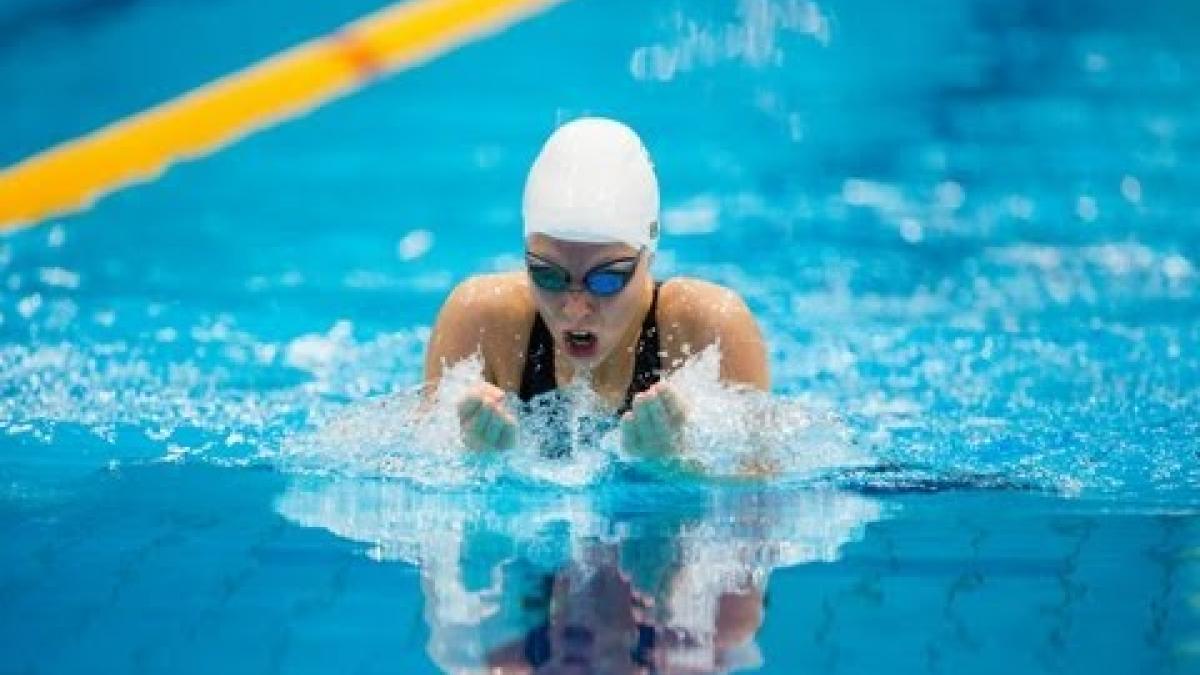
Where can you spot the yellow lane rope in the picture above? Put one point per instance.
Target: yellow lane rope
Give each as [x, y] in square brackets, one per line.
[71, 176]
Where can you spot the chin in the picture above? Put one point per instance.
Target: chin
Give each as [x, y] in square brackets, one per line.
[585, 361]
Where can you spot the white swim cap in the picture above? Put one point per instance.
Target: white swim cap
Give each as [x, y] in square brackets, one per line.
[593, 182]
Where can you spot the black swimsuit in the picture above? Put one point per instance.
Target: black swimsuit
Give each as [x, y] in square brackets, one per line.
[538, 376]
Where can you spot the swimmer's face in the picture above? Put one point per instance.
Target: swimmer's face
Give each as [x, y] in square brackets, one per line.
[593, 629]
[586, 326]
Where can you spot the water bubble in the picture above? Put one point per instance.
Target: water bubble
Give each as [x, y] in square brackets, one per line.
[911, 230]
[56, 236]
[313, 351]
[1131, 189]
[863, 192]
[414, 245]
[1086, 208]
[950, 195]
[29, 305]
[795, 124]
[58, 276]
[1020, 207]
[1177, 267]
[1095, 62]
[700, 215]
[265, 353]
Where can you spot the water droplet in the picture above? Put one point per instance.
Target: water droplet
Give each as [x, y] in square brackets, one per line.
[29, 305]
[414, 245]
[950, 195]
[1095, 62]
[56, 237]
[911, 230]
[1131, 189]
[1087, 209]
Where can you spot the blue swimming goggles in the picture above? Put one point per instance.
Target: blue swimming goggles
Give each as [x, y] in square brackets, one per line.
[604, 280]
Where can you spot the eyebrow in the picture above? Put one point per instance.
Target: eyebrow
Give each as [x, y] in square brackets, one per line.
[617, 261]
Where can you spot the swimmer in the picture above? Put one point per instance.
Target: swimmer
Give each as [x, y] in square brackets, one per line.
[585, 305]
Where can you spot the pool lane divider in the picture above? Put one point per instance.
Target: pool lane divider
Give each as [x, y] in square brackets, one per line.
[72, 176]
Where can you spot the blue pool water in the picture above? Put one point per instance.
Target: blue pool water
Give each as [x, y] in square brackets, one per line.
[969, 230]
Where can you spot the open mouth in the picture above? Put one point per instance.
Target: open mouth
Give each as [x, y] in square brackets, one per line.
[580, 343]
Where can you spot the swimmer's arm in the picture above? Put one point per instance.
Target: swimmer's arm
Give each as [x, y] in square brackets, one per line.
[743, 352]
[458, 333]
[743, 363]
[703, 314]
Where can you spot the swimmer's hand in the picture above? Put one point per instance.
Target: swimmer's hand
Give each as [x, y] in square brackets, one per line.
[484, 422]
[653, 427]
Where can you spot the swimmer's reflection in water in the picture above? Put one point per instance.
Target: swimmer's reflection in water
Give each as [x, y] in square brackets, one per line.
[587, 583]
[597, 621]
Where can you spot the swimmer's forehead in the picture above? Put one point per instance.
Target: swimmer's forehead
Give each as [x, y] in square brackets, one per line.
[576, 252]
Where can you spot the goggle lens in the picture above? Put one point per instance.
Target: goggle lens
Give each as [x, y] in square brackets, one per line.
[549, 278]
[606, 282]
[602, 281]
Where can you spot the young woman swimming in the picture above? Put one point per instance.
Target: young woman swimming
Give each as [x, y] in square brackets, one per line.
[586, 304]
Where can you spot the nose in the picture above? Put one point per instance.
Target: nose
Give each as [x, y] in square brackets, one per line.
[576, 305]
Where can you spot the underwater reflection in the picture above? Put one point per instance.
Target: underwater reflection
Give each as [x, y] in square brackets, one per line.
[642, 579]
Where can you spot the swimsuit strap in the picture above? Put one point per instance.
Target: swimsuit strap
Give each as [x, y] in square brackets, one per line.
[538, 375]
[647, 364]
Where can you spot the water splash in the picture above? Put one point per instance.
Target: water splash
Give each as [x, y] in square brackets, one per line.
[735, 431]
[205, 392]
[753, 38]
[569, 437]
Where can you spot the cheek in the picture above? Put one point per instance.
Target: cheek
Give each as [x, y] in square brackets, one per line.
[617, 316]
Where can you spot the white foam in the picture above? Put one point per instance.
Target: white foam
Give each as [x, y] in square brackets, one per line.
[730, 432]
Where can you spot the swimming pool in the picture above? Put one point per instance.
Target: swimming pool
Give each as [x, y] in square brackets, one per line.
[970, 233]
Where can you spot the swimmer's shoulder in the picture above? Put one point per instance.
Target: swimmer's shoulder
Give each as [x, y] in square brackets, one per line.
[699, 306]
[489, 300]
[488, 313]
[693, 314]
